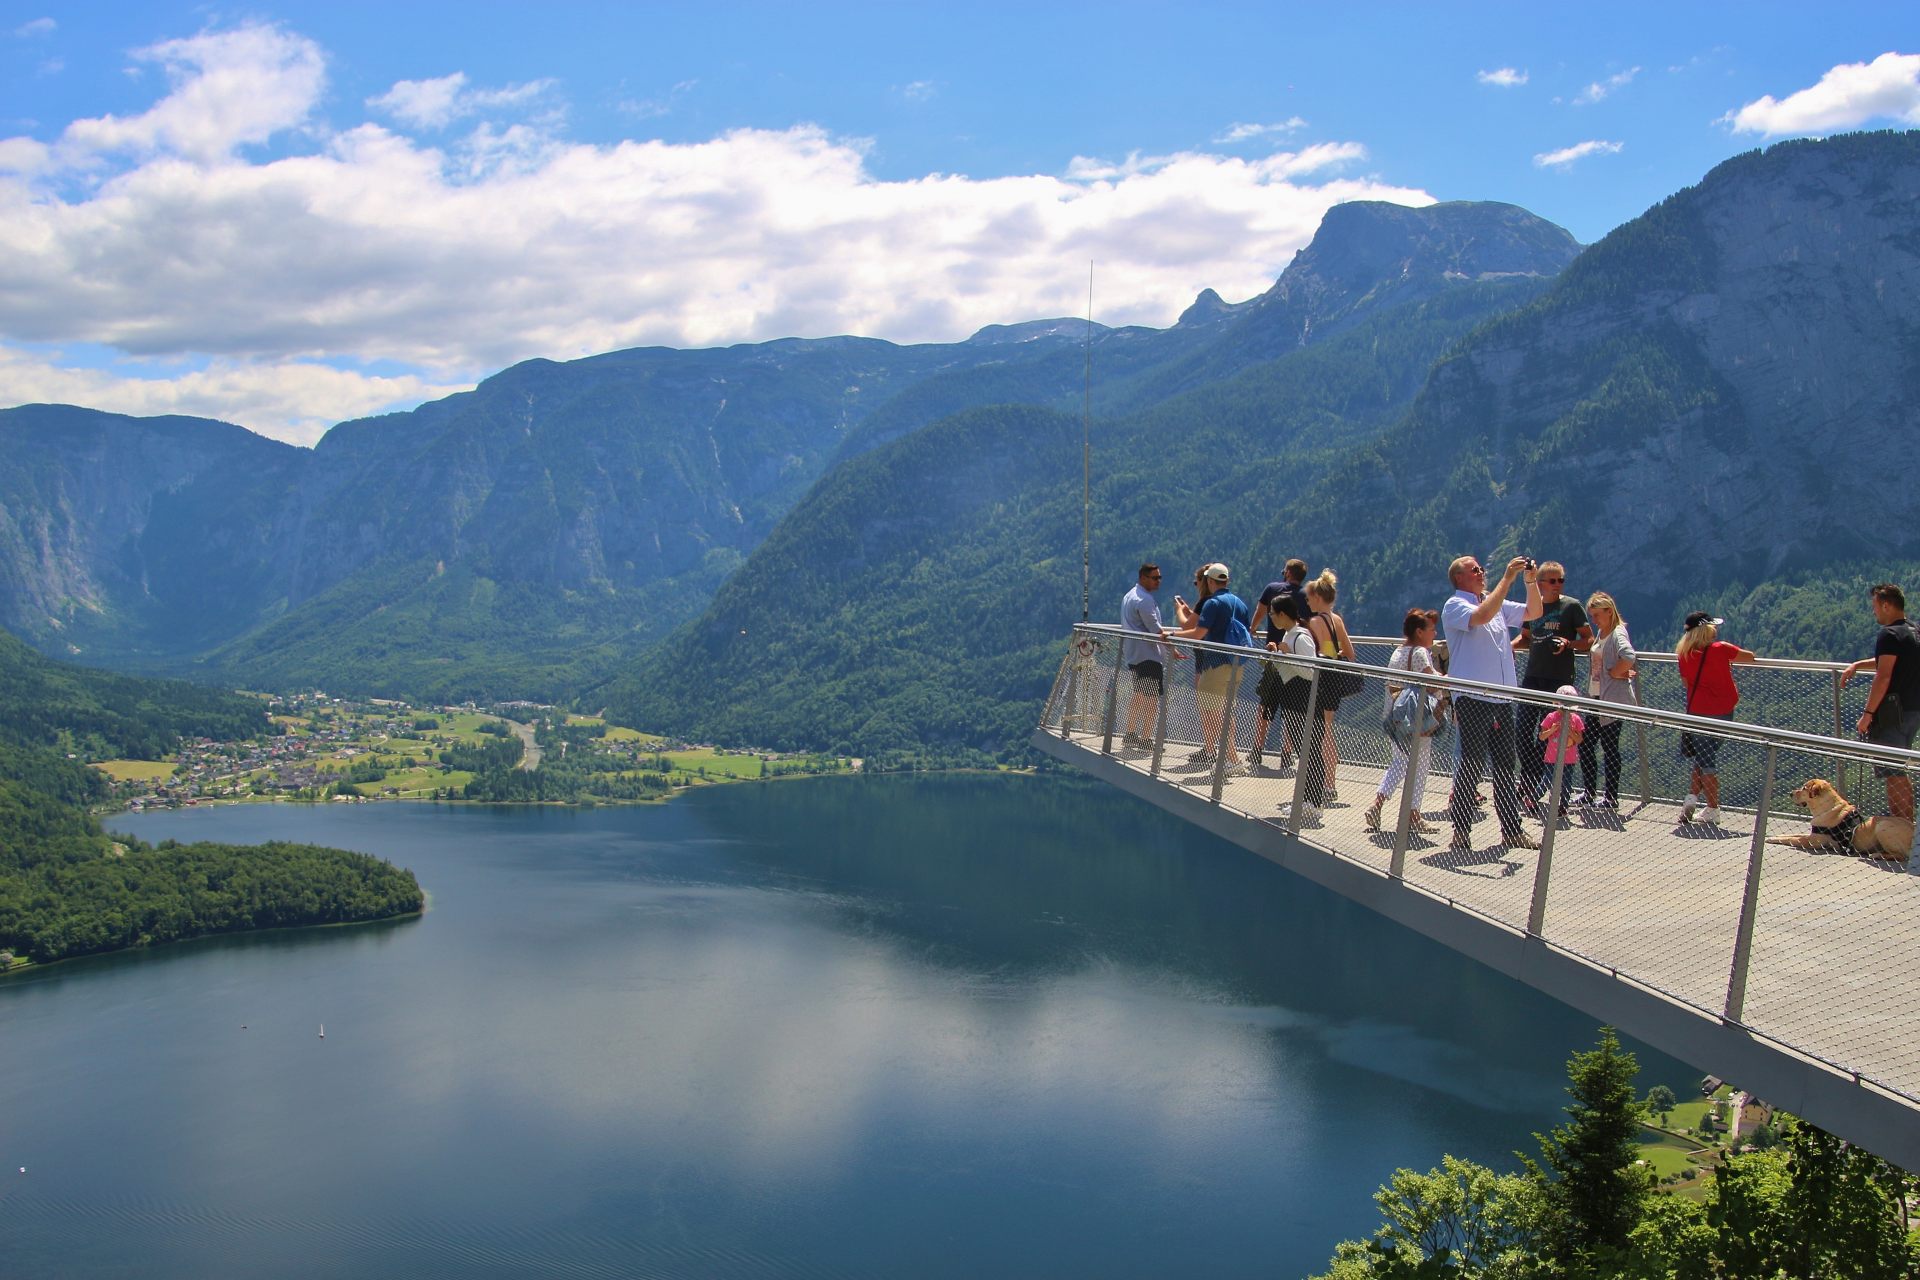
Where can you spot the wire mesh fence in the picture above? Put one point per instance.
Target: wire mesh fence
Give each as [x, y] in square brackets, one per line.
[1784, 906]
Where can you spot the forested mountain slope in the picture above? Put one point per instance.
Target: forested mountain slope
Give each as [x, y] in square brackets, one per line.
[918, 596]
[99, 715]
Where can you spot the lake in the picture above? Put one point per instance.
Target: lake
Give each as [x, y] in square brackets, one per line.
[961, 1025]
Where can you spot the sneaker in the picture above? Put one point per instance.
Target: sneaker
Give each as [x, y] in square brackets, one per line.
[1687, 809]
[1372, 821]
[1462, 841]
[1578, 800]
[1200, 757]
[1519, 840]
[1606, 802]
[1237, 769]
[1309, 816]
[1422, 827]
[1711, 815]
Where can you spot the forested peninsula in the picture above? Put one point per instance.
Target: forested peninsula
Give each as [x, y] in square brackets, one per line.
[67, 888]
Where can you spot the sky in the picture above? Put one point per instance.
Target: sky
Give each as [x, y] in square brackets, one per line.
[290, 215]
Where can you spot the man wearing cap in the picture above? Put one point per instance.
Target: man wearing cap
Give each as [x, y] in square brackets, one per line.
[1221, 619]
[1478, 622]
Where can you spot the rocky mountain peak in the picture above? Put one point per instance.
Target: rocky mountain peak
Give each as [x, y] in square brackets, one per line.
[1206, 309]
[1366, 244]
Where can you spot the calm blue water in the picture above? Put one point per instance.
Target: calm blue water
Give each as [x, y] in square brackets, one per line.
[948, 1026]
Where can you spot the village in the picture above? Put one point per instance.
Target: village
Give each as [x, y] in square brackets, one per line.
[334, 749]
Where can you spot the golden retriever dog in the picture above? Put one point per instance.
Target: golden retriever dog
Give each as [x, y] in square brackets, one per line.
[1838, 827]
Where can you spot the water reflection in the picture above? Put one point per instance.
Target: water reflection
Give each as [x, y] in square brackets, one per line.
[958, 1025]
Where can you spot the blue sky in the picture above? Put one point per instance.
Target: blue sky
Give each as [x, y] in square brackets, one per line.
[291, 214]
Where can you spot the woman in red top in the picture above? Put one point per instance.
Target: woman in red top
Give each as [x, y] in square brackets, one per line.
[1706, 672]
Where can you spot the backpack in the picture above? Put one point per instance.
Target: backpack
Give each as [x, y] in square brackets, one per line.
[1410, 712]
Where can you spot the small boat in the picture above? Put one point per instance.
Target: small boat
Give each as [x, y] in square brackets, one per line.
[323, 1031]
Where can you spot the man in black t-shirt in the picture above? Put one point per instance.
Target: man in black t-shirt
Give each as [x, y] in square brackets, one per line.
[1896, 674]
[1552, 643]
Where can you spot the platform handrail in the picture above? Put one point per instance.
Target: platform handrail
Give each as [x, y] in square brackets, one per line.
[1739, 730]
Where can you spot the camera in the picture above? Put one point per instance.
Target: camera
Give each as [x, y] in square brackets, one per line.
[1532, 564]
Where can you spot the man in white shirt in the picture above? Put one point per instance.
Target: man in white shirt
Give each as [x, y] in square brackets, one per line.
[1478, 623]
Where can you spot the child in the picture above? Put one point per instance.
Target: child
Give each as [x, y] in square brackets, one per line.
[1550, 734]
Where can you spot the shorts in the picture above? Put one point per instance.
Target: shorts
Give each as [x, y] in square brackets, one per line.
[1703, 749]
[1216, 686]
[1148, 677]
[1901, 735]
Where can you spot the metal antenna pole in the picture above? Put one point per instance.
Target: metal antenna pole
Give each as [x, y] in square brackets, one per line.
[1086, 467]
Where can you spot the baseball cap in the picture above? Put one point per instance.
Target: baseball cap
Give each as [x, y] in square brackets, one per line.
[1699, 616]
[1216, 571]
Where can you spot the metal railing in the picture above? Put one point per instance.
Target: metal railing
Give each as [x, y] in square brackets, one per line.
[1813, 950]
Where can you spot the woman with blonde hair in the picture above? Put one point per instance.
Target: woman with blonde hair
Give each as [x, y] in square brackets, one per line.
[1706, 671]
[1613, 678]
[1330, 640]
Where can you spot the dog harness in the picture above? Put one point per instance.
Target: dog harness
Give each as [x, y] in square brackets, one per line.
[1842, 831]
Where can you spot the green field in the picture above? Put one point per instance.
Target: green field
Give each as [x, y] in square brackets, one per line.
[135, 770]
[730, 765]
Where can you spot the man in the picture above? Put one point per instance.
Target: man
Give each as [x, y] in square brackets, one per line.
[1896, 674]
[1551, 642]
[1221, 619]
[1291, 587]
[1140, 615]
[1477, 622]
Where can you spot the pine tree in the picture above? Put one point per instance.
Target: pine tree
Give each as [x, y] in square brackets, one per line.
[1594, 1190]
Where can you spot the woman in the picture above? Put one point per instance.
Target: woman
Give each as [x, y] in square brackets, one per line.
[1613, 678]
[1330, 640]
[1706, 671]
[1414, 655]
[1290, 639]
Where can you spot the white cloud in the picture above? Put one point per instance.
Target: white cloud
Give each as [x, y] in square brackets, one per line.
[1888, 88]
[1579, 151]
[1503, 77]
[918, 91]
[437, 103]
[37, 27]
[1601, 88]
[369, 246]
[648, 108]
[229, 89]
[1242, 132]
[295, 401]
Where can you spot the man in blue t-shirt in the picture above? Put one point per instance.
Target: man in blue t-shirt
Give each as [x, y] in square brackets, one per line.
[1221, 619]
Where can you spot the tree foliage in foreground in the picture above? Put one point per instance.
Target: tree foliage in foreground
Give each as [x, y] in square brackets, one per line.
[1811, 1208]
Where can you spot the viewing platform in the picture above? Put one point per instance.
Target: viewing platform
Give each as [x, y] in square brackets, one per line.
[1793, 973]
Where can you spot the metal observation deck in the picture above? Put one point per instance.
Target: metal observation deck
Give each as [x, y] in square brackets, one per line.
[1795, 974]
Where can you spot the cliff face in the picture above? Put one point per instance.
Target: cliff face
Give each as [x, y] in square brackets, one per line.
[100, 513]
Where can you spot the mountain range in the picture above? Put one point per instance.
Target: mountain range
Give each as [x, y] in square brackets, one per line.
[844, 542]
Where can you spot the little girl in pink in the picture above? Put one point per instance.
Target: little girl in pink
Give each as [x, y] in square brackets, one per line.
[1550, 734]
